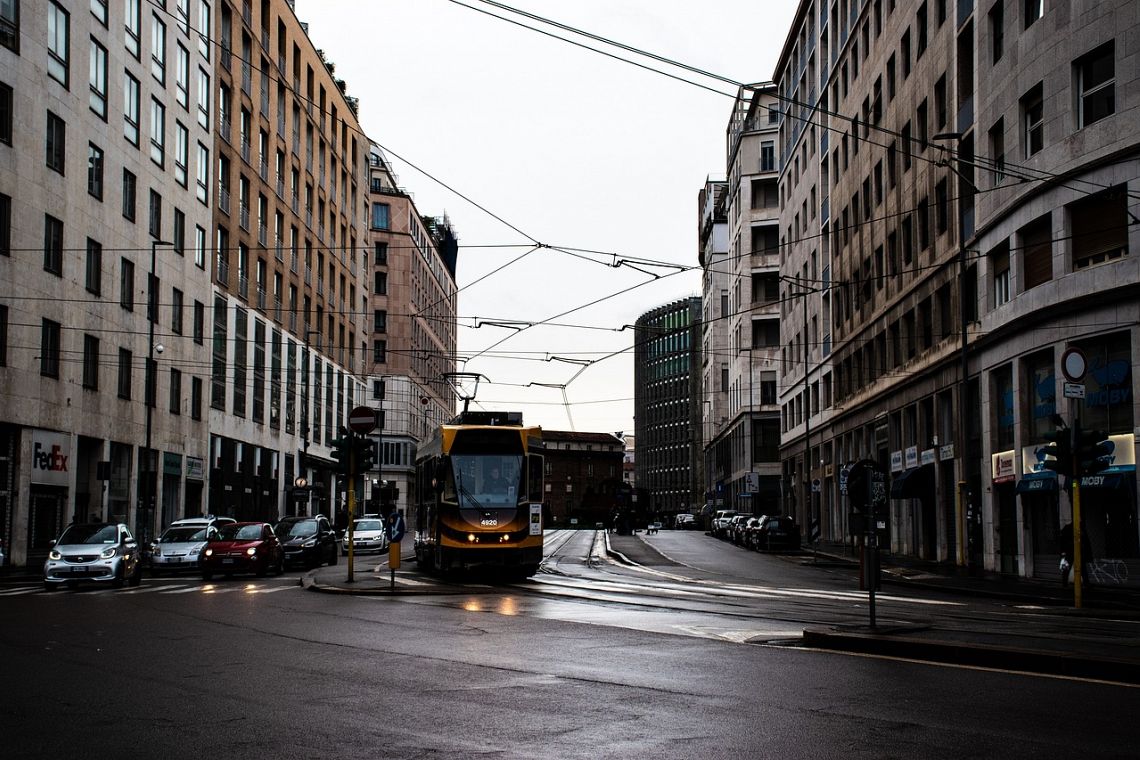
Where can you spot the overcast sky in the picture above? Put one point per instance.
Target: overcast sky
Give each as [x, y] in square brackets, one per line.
[572, 149]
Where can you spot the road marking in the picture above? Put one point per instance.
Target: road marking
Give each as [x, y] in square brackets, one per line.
[21, 591]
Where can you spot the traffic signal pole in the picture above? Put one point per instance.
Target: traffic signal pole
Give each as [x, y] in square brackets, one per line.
[1077, 579]
[351, 502]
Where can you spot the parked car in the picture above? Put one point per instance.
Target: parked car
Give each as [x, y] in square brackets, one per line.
[685, 521]
[244, 547]
[180, 545]
[308, 541]
[748, 532]
[734, 532]
[720, 521]
[99, 552]
[777, 532]
[368, 535]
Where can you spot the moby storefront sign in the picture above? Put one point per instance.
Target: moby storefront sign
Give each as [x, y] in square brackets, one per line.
[51, 458]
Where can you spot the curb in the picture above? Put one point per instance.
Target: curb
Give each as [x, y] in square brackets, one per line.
[962, 653]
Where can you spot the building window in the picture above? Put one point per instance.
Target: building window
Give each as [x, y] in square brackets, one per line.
[90, 362]
[379, 351]
[127, 284]
[380, 283]
[204, 29]
[53, 245]
[1096, 85]
[380, 321]
[5, 225]
[6, 105]
[203, 176]
[997, 150]
[203, 99]
[131, 108]
[49, 349]
[199, 322]
[130, 189]
[182, 76]
[95, 170]
[176, 311]
[997, 32]
[10, 24]
[1034, 9]
[175, 391]
[133, 25]
[155, 215]
[999, 263]
[58, 42]
[381, 253]
[1033, 121]
[124, 383]
[195, 398]
[94, 274]
[56, 142]
[379, 216]
[178, 238]
[3, 335]
[767, 156]
[1099, 226]
[181, 153]
[199, 247]
[158, 49]
[98, 80]
[157, 131]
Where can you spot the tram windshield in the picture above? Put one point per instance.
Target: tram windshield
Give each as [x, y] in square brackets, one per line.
[487, 480]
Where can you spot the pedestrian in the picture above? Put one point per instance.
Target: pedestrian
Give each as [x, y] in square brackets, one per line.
[1066, 546]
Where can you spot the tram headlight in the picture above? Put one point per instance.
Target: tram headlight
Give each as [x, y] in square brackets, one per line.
[471, 538]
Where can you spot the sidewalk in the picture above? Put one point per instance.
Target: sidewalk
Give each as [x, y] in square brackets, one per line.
[1079, 644]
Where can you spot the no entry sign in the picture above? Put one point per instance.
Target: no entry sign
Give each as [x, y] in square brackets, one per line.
[362, 419]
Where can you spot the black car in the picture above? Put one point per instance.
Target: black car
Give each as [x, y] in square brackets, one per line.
[777, 532]
[308, 541]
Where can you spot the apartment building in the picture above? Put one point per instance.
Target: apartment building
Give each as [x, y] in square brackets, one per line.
[742, 451]
[667, 420]
[106, 146]
[712, 254]
[967, 237]
[290, 266]
[412, 306]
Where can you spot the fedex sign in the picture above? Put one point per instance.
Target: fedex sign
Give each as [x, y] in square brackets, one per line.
[51, 458]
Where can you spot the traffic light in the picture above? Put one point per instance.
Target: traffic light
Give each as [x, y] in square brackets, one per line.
[1094, 451]
[365, 449]
[342, 451]
[1060, 448]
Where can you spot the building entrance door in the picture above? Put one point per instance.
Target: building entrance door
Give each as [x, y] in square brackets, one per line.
[45, 521]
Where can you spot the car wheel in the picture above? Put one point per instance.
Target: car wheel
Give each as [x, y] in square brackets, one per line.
[136, 578]
[263, 568]
[280, 565]
[49, 587]
[118, 581]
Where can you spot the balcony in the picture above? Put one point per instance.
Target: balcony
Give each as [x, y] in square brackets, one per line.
[296, 204]
[243, 285]
[224, 127]
[245, 148]
[280, 187]
[293, 320]
[246, 78]
[263, 169]
[243, 216]
[281, 124]
[279, 249]
[277, 310]
[223, 272]
[321, 231]
[320, 286]
[308, 275]
[296, 145]
[262, 234]
[247, 13]
[264, 97]
[293, 261]
[281, 62]
[261, 298]
[224, 199]
[309, 217]
[264, 37]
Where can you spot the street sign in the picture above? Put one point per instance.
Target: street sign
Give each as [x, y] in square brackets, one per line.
[1074, 364]
[1074, 390]
[362, 419]
[752, 482]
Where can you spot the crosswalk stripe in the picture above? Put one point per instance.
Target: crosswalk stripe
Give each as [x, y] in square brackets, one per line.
[21, 591]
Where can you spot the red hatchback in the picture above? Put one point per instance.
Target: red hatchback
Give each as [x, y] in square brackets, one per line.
[244, 547]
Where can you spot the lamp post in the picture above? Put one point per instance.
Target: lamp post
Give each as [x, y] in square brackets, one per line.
[145, 513]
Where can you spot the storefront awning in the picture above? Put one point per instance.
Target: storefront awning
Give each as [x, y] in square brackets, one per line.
[1120, 476]
[913, 484]
[1038, 482]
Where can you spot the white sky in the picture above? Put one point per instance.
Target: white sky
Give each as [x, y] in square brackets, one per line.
[575, 149]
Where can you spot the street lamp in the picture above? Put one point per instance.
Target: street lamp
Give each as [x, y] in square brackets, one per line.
[145, 513]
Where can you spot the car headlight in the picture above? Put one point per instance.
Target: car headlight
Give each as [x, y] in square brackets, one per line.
[195, 550]
[208, 552]
[53, 554]
[251, 551]
[109, 552]
[309, 544]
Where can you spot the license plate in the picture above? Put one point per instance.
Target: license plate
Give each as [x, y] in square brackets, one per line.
[227, 561]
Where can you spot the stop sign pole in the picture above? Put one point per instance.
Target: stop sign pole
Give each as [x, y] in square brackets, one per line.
[362, 421]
